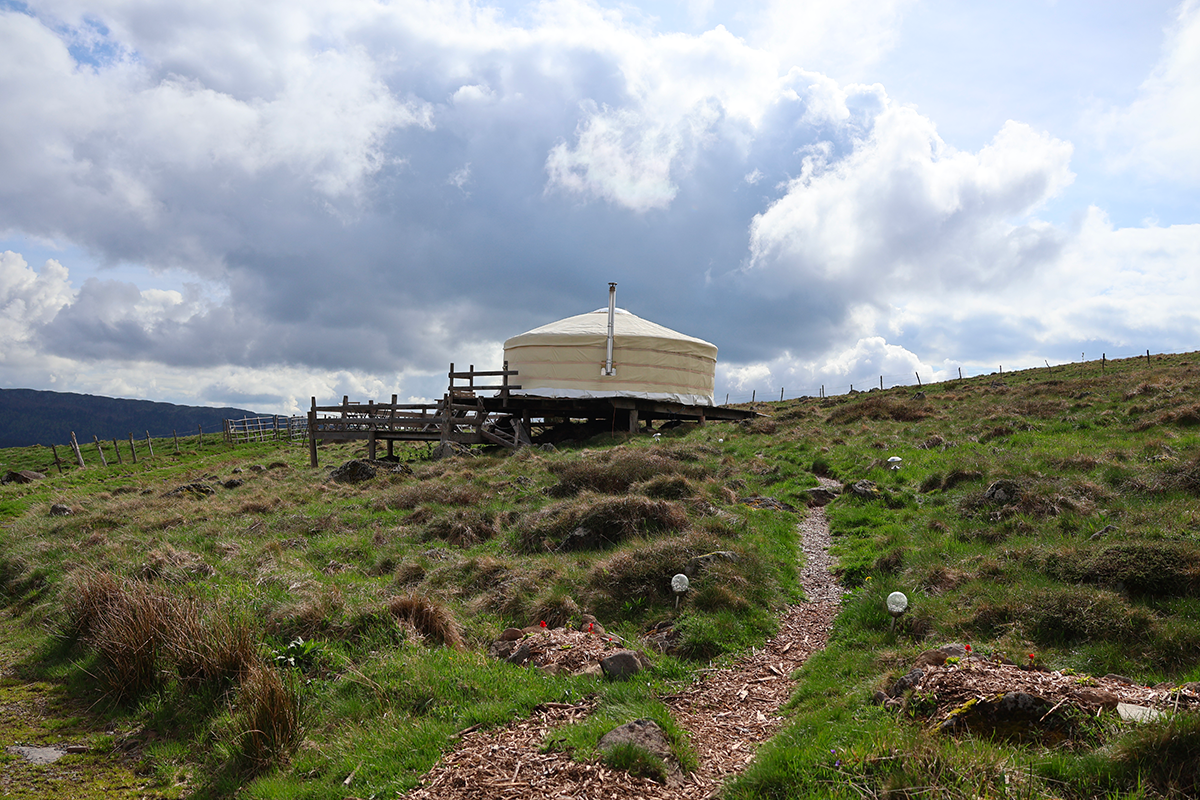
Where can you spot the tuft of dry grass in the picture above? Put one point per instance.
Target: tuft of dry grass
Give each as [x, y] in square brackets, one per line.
[432, 491]
[267, 716]
[463, 527]
[880, 407]
[617, 470]
[208, 646]
[591, 523]
[431, 619]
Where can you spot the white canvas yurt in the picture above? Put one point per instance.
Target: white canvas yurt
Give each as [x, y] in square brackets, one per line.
[573, 358]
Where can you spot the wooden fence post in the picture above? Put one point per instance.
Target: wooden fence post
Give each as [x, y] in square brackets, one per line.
[312, 434]
[117, 450]
[54, 449]
[781, 395]
[75, 447]
[1103, 358]
[918, 379]
[132, 449]
[176, 435]
[100, 450]
[149, 444]
[960, 373]
[753, 393]
[1147, 359]
[201, 429]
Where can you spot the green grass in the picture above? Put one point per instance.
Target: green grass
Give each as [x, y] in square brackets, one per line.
[490, 543]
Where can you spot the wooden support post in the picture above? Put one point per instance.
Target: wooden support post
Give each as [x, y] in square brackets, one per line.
[918, 379]
[149, 444]
[201, 429]
[371, 446]
[446, 411]
[132, 450]
[633, 420]
[1103, 358]
[312, 434]
[75, 447]
[1147, 359]
[753, 393]
[881, 383]
[117, 450]
[275, 423]
[960, 373]
[175, 434]
[54, 449]
[391, 424]
[702, 418]
[781, 390]
[100, 450]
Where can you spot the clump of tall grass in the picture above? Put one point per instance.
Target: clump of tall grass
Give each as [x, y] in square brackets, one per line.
[616, 471]
[266, 718]
[591, 523]
[430, 619]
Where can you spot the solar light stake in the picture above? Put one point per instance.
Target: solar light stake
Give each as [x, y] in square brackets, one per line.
[679, 585]
[897, 604]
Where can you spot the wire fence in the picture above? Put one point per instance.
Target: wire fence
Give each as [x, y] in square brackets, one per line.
[865, 382]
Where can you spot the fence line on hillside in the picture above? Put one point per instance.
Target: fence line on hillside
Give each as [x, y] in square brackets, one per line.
[864, 383]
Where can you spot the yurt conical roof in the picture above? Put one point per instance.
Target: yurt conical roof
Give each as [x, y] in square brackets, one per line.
[567, 359]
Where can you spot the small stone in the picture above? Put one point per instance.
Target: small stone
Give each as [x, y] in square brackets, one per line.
[593, 669]
[1003, 492]
[907, 682]
[520, 656]
[59, 510]
[1132, 713]
[511, 634]
[646, 734]
[76, 749]
[233, 483]
[935, 658]
[864, 488]
[353, 471]
[621, 665]
[820, 496]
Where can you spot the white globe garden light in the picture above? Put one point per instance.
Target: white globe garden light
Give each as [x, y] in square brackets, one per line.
[679, 585]
[897, 604]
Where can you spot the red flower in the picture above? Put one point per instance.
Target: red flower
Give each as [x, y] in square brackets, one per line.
[543, 623]
[591, 627]
[968, 649]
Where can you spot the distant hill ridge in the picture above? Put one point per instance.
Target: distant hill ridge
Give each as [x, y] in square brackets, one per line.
[29, 416]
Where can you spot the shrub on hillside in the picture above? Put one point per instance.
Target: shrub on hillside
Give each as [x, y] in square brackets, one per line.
[617, 470]
[629, 582]
[1140, 567]
[591, 523]
[462, 527]
[880, 407]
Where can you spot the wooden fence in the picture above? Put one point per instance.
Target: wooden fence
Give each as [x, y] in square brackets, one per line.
[266, 428]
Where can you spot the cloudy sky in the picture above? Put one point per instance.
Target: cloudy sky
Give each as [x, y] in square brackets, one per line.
[220, 202]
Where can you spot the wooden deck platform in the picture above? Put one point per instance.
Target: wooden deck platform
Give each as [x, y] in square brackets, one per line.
[465, 416]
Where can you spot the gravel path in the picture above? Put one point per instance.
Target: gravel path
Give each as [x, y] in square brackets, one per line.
[728, 714]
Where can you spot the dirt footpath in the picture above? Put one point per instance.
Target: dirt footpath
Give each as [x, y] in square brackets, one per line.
[728, 714]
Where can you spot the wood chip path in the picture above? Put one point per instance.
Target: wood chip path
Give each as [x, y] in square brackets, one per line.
[728, 714]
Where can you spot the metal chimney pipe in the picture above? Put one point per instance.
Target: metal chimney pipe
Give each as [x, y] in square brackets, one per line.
[612, 312]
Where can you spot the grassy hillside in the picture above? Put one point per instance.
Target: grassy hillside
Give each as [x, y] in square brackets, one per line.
[280, 635]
